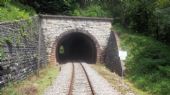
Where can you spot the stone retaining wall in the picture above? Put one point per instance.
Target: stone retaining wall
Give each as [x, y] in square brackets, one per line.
[19, 49]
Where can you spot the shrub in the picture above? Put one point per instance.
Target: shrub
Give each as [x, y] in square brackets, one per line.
[91, 11]
[3, 2]
[15, 11]
[148, 62]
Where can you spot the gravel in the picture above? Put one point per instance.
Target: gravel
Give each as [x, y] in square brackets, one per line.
[80, 85]
[100, 85]
[61, 84]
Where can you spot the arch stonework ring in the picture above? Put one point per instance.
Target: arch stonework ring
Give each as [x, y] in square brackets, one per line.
[83, 38]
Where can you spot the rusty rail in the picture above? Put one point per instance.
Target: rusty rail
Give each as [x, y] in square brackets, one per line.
[90, 84]
[72, 80]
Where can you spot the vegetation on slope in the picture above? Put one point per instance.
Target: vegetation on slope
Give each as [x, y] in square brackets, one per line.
[148, 62]
[93, 10]
[119, 83]
[149, 17]
[51, 6]
[148, 59]
[11, 10]
[33, 85]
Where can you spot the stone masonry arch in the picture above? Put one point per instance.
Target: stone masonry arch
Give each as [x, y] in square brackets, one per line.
[54, 58]
[97, 30]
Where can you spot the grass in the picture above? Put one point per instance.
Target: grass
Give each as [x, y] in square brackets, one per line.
[33, 85]
[148, 62]
[11, 11]
[117, 82]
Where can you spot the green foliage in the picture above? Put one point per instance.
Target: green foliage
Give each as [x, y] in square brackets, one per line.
[150, 17]
[2, 54]
[163, 3]
[51, 6]
[148, 62]
[4, 2]
[91, 11]
[163, 24]
[4, 40]
[61, 50]
[15, 11]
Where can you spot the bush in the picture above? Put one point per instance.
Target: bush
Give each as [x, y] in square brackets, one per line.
[148, 62]
[3, 2]
[149, 17]
[15, 11]
[51, 6]
[91, 11]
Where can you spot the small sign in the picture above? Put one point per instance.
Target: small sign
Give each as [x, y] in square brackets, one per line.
[122, 55]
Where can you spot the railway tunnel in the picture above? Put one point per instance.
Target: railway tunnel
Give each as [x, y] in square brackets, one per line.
[77, 47]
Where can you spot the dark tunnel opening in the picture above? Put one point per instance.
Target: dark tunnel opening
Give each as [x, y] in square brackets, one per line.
[76, 47]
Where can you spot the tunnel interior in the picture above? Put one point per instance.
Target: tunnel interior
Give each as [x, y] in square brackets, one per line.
[76, 47]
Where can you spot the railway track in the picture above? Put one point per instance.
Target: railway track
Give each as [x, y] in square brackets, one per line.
[81, 82]
[77, 78]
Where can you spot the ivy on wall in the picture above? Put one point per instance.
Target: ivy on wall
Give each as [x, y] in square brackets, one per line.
[15, 37]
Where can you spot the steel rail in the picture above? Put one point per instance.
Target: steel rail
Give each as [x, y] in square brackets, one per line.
[72, 80]
[88, 79]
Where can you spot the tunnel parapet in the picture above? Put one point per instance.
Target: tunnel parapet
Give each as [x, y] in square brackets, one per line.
[98, 29]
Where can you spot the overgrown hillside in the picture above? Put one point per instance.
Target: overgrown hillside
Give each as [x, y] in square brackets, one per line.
[147, 63]
[145, 33]
[12, 10]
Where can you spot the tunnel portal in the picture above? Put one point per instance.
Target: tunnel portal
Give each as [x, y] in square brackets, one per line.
[76, 47]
